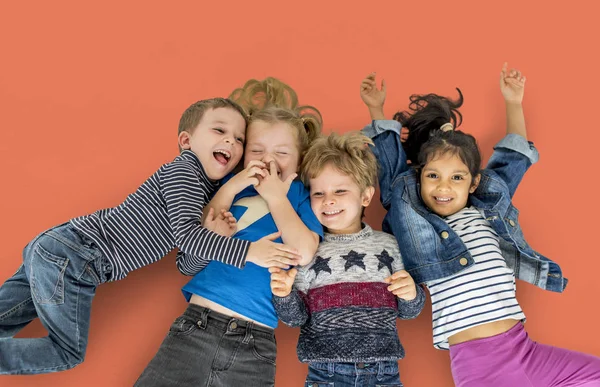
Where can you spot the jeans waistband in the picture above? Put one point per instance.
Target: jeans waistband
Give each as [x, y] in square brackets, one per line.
[203, 315]
[378, 367]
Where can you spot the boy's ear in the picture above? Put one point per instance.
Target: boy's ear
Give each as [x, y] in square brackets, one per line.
[184, 140]
[475, 183]
[367, 196]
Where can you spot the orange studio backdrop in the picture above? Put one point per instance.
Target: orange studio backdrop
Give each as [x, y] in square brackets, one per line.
[91, 94]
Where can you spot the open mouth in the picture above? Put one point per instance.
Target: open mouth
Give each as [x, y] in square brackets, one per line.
[332, 213]
[442, 200]
[222, 156]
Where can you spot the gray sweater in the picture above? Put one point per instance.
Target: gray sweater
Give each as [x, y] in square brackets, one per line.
[343, 306]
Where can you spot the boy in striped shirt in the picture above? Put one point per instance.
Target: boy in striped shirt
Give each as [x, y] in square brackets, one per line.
[62, 266]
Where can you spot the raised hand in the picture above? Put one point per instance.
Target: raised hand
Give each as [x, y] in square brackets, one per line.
[370, 94]
[512, 84]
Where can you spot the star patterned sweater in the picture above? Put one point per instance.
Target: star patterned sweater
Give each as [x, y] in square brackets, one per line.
[342, 305]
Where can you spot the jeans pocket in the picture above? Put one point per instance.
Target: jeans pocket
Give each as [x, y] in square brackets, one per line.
[264, 349]
[182, 326]
[47, 277]
[310, 383]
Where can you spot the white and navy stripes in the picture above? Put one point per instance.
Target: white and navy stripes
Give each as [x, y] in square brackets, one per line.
[164, 213]
[482, 293]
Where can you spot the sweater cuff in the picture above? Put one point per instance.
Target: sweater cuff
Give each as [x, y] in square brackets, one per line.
[411, 309]
[290, 309]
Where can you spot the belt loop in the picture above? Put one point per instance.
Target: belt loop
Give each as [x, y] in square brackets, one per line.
[203, 321]
[248, 334]
[381, 370]
[330, 369]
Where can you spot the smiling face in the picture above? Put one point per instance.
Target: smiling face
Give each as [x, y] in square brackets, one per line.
[275, 142]
[446, 184]
[337, 201]
[217, 140]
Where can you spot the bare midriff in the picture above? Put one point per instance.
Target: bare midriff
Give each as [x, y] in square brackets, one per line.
[482, 331]
[198, 300]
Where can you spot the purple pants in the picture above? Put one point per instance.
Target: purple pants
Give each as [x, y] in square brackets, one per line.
[512, 359]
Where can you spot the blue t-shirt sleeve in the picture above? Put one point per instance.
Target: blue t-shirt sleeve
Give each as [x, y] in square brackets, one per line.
[299, 196]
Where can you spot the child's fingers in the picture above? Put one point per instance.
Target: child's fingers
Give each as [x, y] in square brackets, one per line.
[370, 83]
[256, 170]
[277, 264]
[399, 285]
[402, 293]
[255, 163]
[274, 270]
[280, 276]
[273, 168]
[400, 274]
[383, 87]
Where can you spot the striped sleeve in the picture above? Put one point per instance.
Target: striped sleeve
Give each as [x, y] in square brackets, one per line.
[185, 196]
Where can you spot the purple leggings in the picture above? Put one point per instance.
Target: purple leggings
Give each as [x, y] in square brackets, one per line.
[512, 359]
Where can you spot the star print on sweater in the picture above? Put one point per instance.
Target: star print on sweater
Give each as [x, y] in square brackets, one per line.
[354, 258]
[385, 260]
[320, 264]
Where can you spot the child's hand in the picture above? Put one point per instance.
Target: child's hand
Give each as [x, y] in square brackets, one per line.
[223, 224]
[402, 285]
[512, 85]
[267, 253]
[249, 176]
[282, 281]
[271, 187]
[373, 97]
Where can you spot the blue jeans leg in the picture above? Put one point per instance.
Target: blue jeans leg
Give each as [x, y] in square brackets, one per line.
[16, 305]
[59, 266]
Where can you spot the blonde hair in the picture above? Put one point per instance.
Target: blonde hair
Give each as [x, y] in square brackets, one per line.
[349, 153]
[273, 101]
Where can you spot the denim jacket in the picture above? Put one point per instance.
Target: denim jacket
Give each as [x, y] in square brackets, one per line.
[431, 250]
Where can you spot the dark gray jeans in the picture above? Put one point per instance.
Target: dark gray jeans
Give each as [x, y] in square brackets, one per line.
[206, 348]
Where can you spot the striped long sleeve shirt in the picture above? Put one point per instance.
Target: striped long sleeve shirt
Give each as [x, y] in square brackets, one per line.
[164, 213]
[482, 293]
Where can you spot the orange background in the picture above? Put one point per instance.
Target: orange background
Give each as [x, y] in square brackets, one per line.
[91, 94]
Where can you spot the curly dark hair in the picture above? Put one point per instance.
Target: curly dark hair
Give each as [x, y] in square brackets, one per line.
[427, 113]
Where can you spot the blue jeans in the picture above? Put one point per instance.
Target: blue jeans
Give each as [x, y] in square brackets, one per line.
[56, 283]
[378, 374]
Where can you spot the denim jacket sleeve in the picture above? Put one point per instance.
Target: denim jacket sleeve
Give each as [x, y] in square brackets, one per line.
[512, 156]
[389, 153]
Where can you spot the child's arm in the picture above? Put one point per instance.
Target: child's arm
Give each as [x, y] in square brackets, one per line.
[386, 136]
[183, 194]
[293, 231]
[513, 155]
[410, 296]
[512, 86]
[288, 303]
